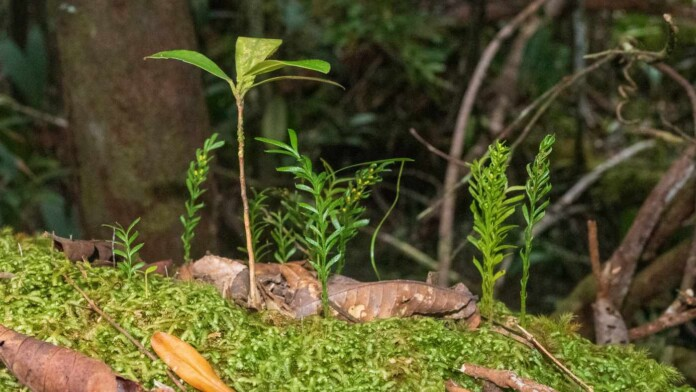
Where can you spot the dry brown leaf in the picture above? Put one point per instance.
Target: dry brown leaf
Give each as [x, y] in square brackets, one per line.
[187, 363]
[398, 298]
[77, 250]
[43, 367]
[230, 277]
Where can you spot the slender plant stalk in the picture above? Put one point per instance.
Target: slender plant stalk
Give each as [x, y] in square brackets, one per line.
[253, 293]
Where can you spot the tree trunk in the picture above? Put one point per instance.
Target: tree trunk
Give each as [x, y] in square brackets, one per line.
[135, 123]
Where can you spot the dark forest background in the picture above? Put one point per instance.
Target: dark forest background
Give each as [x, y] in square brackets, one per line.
[92, 134]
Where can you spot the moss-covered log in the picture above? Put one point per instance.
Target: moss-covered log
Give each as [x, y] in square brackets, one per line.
[135, 124]
[265, 352]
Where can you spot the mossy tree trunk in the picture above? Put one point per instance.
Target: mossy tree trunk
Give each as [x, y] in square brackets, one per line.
[135, 123]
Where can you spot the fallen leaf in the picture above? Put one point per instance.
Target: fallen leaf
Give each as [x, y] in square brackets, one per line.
[44, 367]
[77, 250]
[397, 298]
[187, 363]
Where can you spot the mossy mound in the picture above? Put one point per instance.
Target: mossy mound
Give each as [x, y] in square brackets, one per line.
[265, 352]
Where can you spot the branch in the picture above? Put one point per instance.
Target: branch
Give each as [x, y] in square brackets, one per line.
[504, 379]
[682, 310]
[621, 266]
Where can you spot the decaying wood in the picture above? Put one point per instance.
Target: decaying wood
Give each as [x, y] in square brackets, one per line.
[505, 379]
[44, 367]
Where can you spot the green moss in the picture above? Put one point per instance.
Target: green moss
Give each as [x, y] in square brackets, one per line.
[265, 352]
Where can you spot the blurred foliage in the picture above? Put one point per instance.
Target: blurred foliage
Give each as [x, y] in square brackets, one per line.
[30, 179]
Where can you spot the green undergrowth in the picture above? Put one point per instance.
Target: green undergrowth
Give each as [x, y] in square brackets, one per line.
[265, 352]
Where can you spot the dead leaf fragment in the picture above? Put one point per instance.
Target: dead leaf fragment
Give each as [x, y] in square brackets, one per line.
[187, 363]
[43, 367]
[77, 250]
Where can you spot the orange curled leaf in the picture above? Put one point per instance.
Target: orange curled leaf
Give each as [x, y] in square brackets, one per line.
[187, 363]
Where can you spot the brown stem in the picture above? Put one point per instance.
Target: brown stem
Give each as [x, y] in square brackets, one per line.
[447, 212]
[675, 314]
[253, 290]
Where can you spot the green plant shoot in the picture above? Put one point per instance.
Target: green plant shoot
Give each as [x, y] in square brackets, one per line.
[491, 207]
[536, 188]
[195, 177]
[258, 210]
[251, 61]
[126, 248]
[331, 214]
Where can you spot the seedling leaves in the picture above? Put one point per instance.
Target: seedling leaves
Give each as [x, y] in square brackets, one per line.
[193, 58]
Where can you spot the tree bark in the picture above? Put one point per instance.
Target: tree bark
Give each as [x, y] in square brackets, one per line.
[135, 124]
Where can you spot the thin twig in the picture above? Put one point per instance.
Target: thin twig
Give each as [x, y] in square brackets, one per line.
[553, 359]
[447, 212]
[685, 84]
[120, 329]
[504, 378]
[33, 113]
[435, 150]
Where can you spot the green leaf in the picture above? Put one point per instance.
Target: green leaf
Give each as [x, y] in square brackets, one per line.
[298, 78]
[150, 269]
[193, 58]
[267, 66]
[251, 51]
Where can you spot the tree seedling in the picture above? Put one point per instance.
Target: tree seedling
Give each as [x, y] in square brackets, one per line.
[251, 61]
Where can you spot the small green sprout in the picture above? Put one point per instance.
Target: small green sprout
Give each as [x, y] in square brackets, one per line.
[195, 177]
[126, 248]
[491, 207]
[536, 189]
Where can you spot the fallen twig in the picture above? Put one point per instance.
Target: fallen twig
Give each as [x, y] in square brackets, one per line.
[504, 379]
[120, 329]
[553, 359]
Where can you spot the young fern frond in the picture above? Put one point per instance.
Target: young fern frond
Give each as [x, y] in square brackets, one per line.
[493, 204]
[536, 188]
